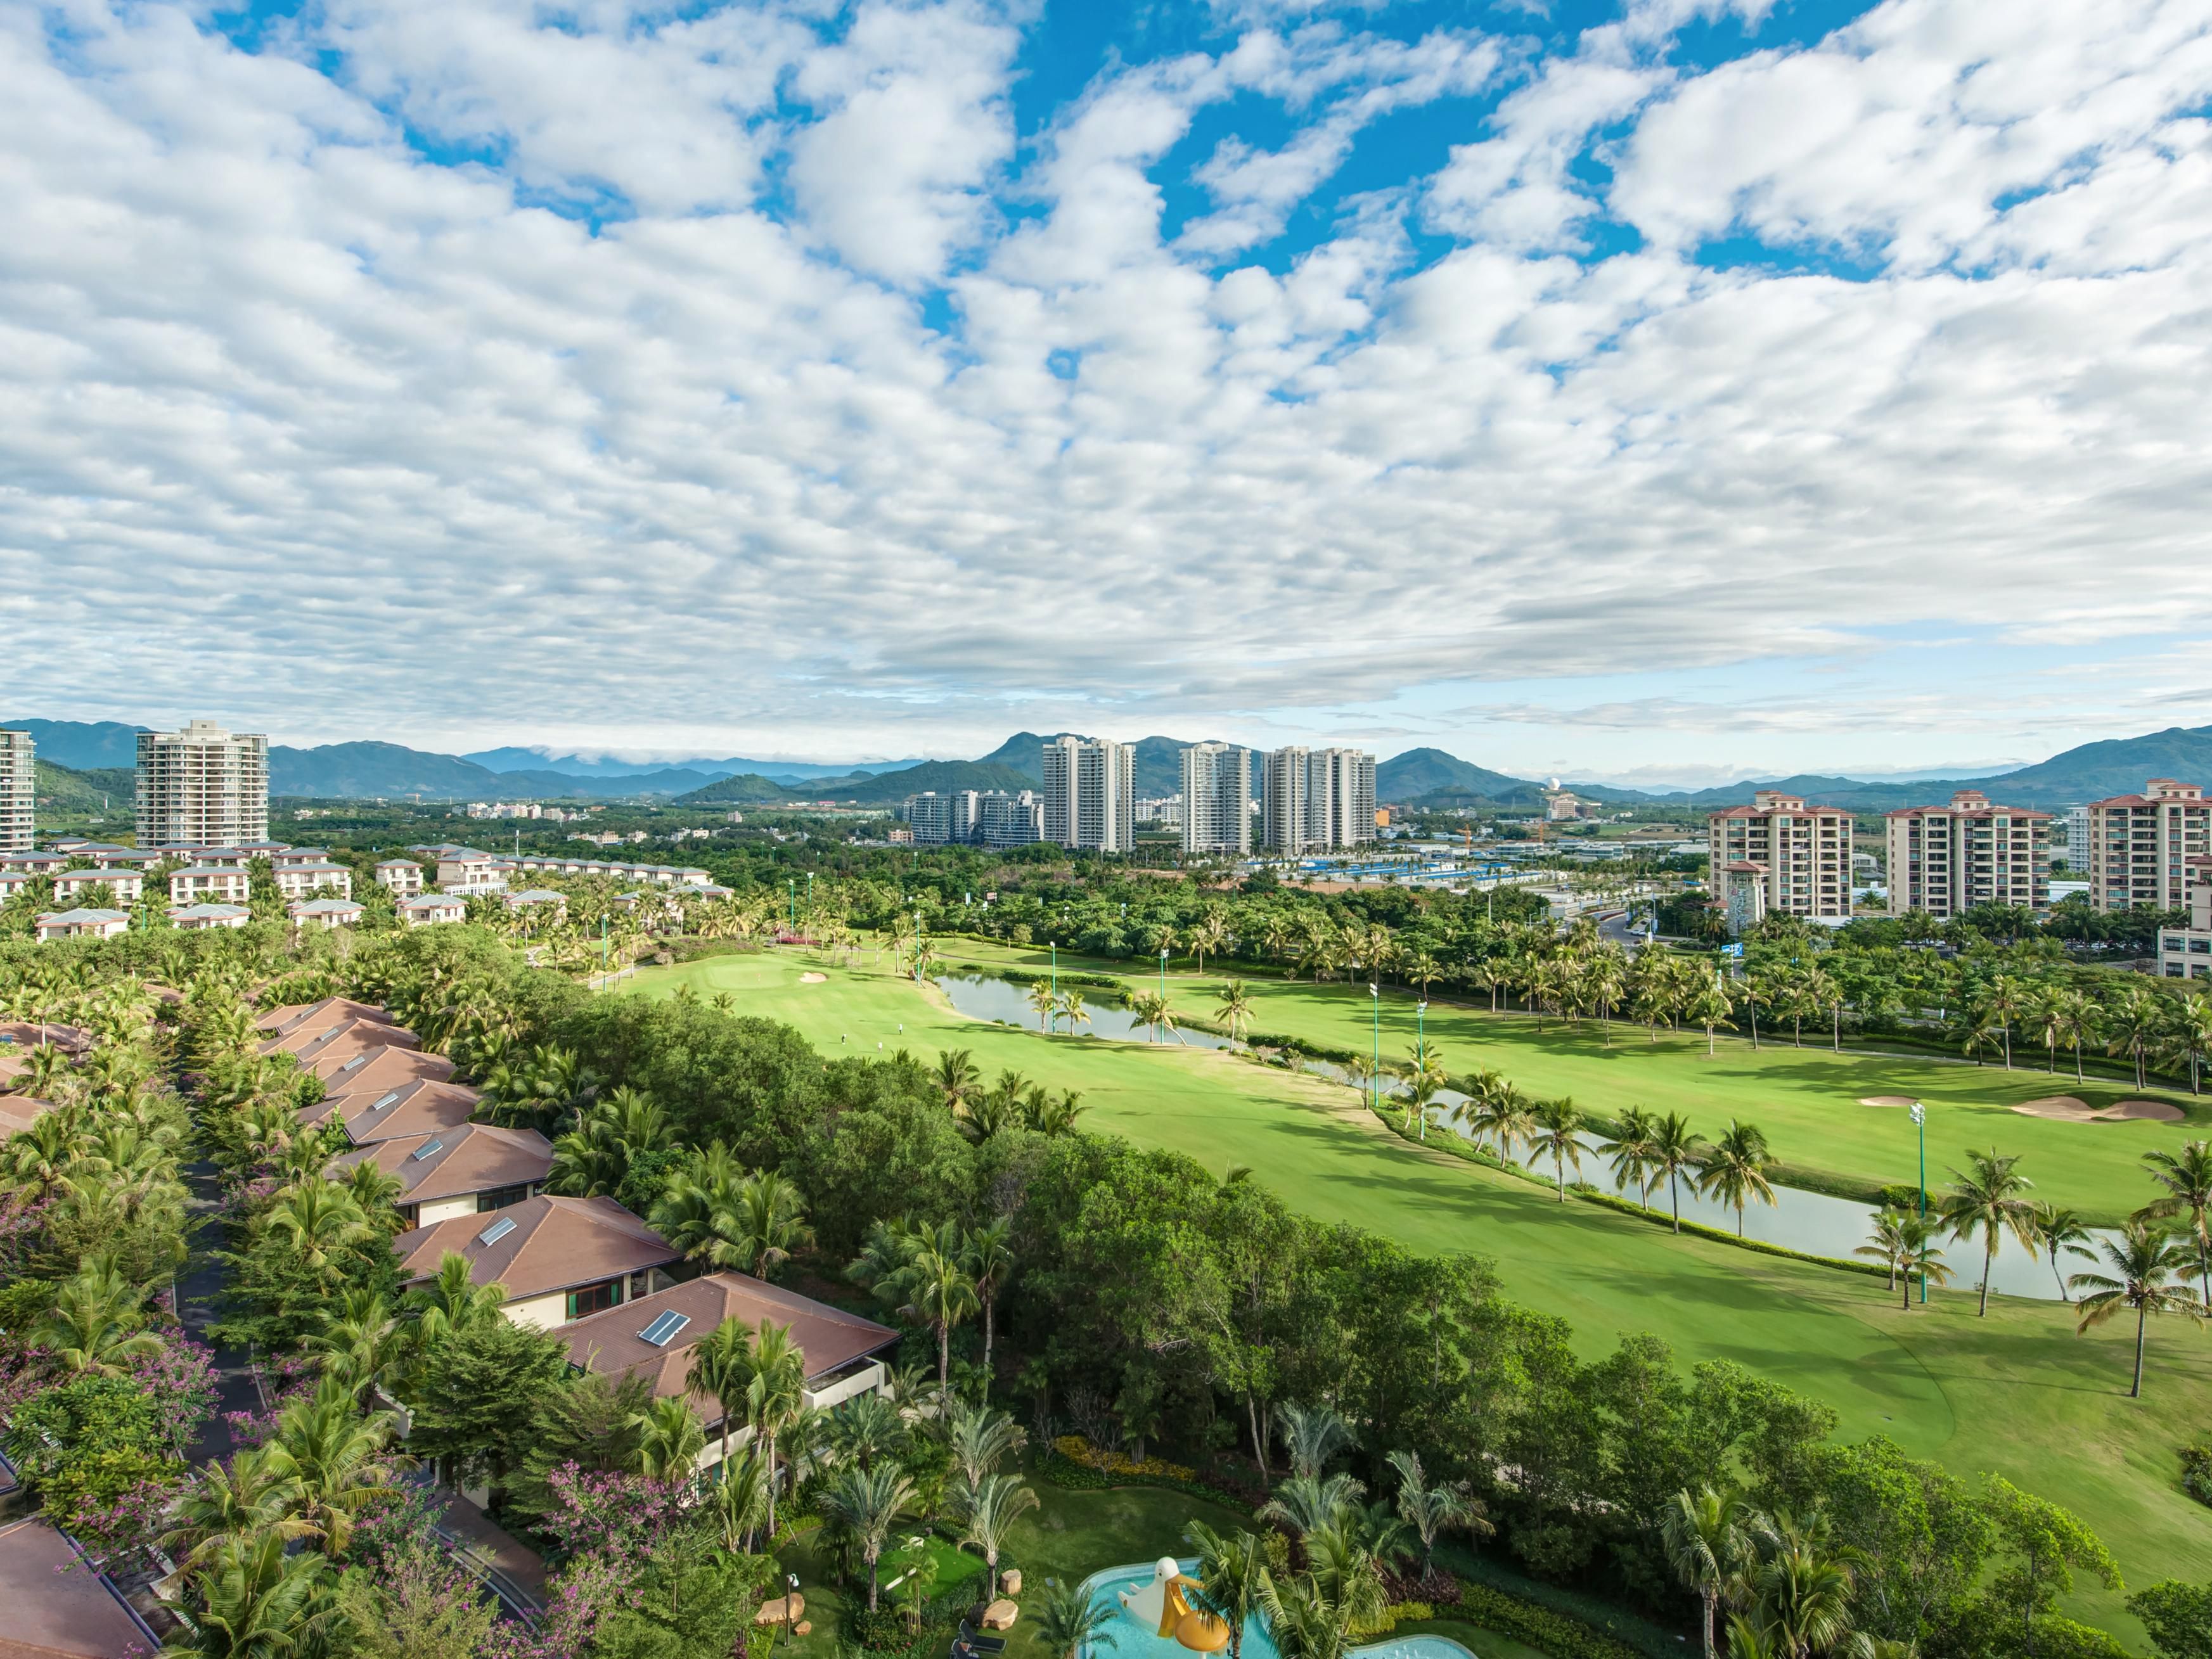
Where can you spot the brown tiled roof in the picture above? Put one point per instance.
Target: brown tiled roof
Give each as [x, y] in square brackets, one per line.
[468, 1157]
[382, 1066]
[312, 1039]
[1952, 809]
[610, 1342]
[19, 1112]
[418, 1106]
[280, 1021]
[70, 1039]
[54, 1605]
[555, 1245]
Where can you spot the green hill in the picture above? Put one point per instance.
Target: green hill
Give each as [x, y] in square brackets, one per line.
[64, 789]
[744, 790]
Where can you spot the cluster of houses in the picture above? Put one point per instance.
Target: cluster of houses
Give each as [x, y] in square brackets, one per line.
[586, 1270]
[212, 886]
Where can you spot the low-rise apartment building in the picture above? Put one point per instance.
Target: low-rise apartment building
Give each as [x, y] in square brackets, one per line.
[465, 870]
[324, 912]
[2140, 846]
[102, 887]
[299, 881]
[430, 909]
[472, 1168]
[1946, 859]
[559, 1259]
[206, 884]
[203, 918]
[1782, 857]
[401, 876]
[94, 923]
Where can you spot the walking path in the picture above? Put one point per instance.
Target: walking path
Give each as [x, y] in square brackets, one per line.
[198, 1288]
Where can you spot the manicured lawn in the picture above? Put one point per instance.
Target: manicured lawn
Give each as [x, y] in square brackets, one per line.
[1806, 1099]
[2017, 1393]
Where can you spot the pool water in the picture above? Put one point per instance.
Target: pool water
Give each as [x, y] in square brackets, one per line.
[1135, 1641]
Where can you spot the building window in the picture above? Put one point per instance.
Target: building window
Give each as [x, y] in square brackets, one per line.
[595, 1299]
[500, 1197]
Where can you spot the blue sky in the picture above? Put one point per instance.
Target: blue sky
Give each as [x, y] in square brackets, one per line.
[1666, 390]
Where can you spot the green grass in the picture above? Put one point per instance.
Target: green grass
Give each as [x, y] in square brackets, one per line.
[2016, 1393]
[1806, 1099]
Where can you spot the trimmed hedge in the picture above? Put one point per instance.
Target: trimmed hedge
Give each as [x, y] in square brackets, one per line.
[1555, 1633]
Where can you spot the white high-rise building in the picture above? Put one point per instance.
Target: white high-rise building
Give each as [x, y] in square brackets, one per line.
[1217, 799]
[1090, 793]
[2140, 846]
[1779, 856]
[1945, 860]
[1318, 799]
[2077, 841]
[19, 786]
[203, 787]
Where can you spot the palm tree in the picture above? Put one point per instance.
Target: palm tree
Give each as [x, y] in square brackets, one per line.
[1706, 1541]
[1734, 1169]
[1232, 1578]
[1631, 1152]
[865, 1502]
[771, 1223]
[1674, 1147]
[2189, 1037]
[978, 1438]
[2057, 1230]
[1310, 1504]
[1312, 1436]
[1821, 991]
[989, 1253]
[1991, 1201]
[1709, 1006]
[2187, 1178]
[2132, 1020]
[1918, 1258]
[1072, 1007]
[361, 1342]
[451, 1301]
[1802, 1587]
[1069, 1624]
[722, 1365]
[957, 1077]
[1429, 1510]
[97, 1323]
[1151, 1008]
[775, 1397]
[2151, 1267]
[1886, 1243]
[336, 1457]
[1045, 1003]
[2008, 999]
[993, 1507]
[225, 1501]
[2074, 1016]
[319, 1220]
[1235, 1004]
[938, 1290]
[670, 1438]
[1424, 1081]
[1557, 1132]
[256, 1602]
[1212, 933]
[1304, 1621]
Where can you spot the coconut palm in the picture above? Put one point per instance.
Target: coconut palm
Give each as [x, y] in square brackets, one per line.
[336, 1456]
[1302, 1619]
[865, 1502]
[740, 1498]
[1425, 1081]
[1917, 1257]
[1991, 1201]
[2187, 1178]
[321, 1221]
[1232, 1578]
[669, 1439]
[2189, 1038]
[1674, 1147]
[362, 1342]
[957, 1077]
[1800, 1590]
[992, 1508]
[451, 1301]
[1733, 1169]
[989, 1251]
[770, 1223]
[251, 1493]
[1070, 1624]
[1235, 1005]
[256, 1601]
[1886, 1241]
[2075, 1013]
[2057, 1230]
[1073, 1009]
[1151, 1008]
[2132, 1020]
[1045, 1001]
[1706, 1541]
[1211, 934]
[775, 1396]
[97, 1323]
[1709, 1006]
[1558, 1132]
[1630, 1153]
[2147, 1273]
[722, 1365]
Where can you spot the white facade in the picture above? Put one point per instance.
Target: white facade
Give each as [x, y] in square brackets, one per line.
[201, 883]
[2186, 952]
[82, 924]
[941, 820]
[203, 787]
[299, 881]
[1318, 800]
[1090, 793]
[403, 878]
[1217, 799]
[1004, 820]
[2077, 841]
[429, 910]
[18, 791]
[85, 886]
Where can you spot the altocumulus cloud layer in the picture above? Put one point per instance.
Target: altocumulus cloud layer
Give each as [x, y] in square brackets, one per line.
[800, 372]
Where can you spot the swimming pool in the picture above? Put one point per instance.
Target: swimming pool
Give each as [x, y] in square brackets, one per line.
[1135, 1641]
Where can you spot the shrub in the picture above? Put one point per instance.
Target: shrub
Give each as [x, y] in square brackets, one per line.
[1077, 1449]
[2197, 1471]
[1554, 1633]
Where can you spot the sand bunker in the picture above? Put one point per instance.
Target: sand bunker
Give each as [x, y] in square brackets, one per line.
[1885, 1100]
[2071, 1109]
[814, 979]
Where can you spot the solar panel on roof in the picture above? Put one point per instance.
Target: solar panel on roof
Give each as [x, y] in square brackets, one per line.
[498, 1229]
[663, 1330]
[428, 1149]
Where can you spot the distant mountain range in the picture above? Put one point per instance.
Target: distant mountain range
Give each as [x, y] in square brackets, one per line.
[107, 749]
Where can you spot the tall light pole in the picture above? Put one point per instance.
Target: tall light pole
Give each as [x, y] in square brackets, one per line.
[1164, 973]
[1920, 1122]
[1375, 1064]
[1421, 1051]
[917, 945]
[1055, 944]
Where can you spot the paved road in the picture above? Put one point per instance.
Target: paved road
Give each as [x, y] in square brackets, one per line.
[197, 1288]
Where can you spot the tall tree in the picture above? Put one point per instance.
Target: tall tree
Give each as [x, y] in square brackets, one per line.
[1735, 1168]
[2186, 1176]
[2147, 1272]
[1706, 1542]
[1990, 1201]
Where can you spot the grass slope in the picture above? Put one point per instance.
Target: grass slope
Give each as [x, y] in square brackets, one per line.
[2016, 1393]
[1806, 1099]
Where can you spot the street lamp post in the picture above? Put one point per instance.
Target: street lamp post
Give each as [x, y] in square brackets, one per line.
[1375, 1064]
[1055, 944]
[1920, 1122]
[1421, 1051]
[1164, 973]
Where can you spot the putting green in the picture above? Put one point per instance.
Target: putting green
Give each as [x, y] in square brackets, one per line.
[2016, 1393]
[1806, 1099]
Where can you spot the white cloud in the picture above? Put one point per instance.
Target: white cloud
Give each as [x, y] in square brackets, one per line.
[297, 418]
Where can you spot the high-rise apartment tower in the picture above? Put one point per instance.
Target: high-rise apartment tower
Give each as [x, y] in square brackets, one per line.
[1090, 793]
[19, 785]
[203, 787]
[1318, 799]
[1217, 799]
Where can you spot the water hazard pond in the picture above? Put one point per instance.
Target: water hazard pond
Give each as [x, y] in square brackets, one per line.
[1812, 1222]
